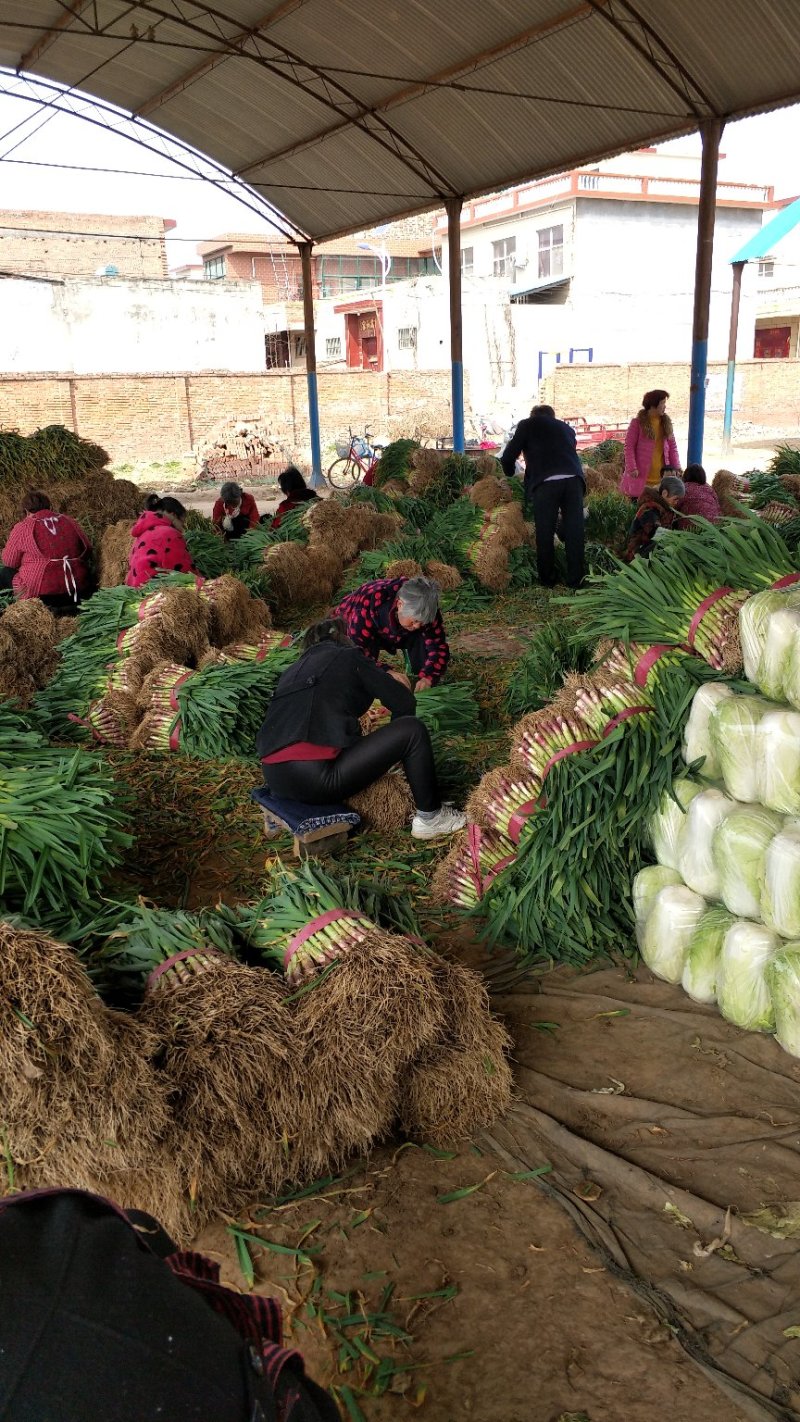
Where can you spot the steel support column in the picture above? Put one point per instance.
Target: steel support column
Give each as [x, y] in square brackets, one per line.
[736, 295]
[711, 132]
[453, 206]
[304, 248]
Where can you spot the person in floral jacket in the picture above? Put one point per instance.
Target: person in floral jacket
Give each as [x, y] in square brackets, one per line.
[394, 614]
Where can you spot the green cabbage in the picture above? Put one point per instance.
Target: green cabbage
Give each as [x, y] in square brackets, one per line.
[742, 992]
[781, 650]
[696, 842]
[783, 981]
[753, 618]
[740, 851]
[780, 901]
[647, 884]
[668, 931]
[667, 823]
[700, 969]
[697, 741]
[734, 728]
[779, 761]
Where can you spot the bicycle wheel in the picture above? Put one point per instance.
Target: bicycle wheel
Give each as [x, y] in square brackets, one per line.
[344, 474]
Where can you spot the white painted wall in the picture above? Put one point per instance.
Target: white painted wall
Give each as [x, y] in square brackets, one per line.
[130, 327]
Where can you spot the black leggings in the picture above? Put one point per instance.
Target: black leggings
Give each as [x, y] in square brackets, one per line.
[328, 782]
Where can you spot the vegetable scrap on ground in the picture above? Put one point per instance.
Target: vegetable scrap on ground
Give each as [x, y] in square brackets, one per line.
[251, 1025]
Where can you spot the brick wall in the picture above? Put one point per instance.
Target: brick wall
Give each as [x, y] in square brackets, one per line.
[767, 392]
[67, 244]
[165, 417]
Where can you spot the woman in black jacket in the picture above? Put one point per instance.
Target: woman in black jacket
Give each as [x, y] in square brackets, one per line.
[311, 746]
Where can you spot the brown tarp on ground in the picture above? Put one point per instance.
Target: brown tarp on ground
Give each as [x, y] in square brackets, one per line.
[659, 1118]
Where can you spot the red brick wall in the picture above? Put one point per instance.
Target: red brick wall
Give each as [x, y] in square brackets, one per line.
[66, 244]
[163, 417]
[768, 391]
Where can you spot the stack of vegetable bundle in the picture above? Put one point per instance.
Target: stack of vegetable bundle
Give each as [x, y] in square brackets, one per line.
[213, 713]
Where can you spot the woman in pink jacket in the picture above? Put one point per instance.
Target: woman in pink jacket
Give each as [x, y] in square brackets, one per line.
[158, 542]
[649, 446]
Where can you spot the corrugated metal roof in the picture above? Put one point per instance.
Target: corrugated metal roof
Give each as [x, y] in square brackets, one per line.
[348, 113]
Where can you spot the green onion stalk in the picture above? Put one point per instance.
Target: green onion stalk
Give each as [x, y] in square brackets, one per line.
[600, 705]
[449, 709]
[537, 744]
[510, 805]
[145, 938]
[470, 870]
[257, 651]
[109, 727]
[300, 899]
[82, 674]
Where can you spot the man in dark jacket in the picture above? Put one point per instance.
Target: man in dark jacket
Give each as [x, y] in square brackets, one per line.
[554, 485]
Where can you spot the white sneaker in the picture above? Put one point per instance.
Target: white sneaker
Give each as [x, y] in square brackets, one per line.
[446, 821]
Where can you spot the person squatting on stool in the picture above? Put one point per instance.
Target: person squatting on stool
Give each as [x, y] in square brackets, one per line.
[310, 743]
[393, 614]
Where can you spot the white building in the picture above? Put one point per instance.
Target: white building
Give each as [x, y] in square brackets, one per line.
[593, 265]
[111, 325]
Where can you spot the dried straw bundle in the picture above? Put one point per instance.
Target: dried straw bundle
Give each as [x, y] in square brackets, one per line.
[357, 1028]
[381, 528]
[490, 492]
[387, 805]
[448, 577]
[610, 471]
[115, 550]
[33, 632]
[226, 1050]
[510, 527]
[81, 1098]
[426, 466]
[336, 527]
[597, 483]
[178, 632]
[321, 583]
[404, 568]
[490, 561]
[326, 560]
[234, 614]
[463, 1083]
[114, 717]
[65, 626]
[289, 575]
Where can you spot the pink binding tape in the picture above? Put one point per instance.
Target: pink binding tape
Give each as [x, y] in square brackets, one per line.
[517, 821]
[178, 958]
[173, 699]
[498, 868]
[625, 716]
[474, 841]
[645, 664]
[316, 924]
[787, 581]
[703, 609]
[567, 750]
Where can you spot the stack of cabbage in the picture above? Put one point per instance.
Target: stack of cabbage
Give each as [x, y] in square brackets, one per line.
[720, 912]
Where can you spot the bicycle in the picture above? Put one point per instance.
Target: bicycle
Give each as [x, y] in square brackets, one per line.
[354, 463]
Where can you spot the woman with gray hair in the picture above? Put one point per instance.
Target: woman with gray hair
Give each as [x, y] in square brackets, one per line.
[656, 511]
[234, 511]
[399, 614]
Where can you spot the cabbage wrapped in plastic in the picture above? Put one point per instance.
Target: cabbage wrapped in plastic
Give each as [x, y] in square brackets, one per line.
[740, 854]
[754, 616]
[648, 883]
[700, 969]
[734, 733]
[697, 741]
[777, 668]
[780, 901]
[696, 864]
[779, 761]
[742, 992]
[667, 823]
[783, 981]
[668, 931]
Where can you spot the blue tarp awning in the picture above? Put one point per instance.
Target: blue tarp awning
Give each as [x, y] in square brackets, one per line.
[771, 233]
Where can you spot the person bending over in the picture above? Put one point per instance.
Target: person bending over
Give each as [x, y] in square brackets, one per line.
[158, 542]
[554, 485]
[700, 500]
[295, 493]
[47, 555]
[310, 743]
[655, 511]
[394, 614]
[234, 511]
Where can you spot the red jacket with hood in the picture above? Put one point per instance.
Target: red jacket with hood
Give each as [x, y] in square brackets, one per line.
[158, 547]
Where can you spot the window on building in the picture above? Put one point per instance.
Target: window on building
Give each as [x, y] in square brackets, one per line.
[504, 253]
[299, 345]
[333, 347]
[407, 338]
[766, 267]
[214, 268]
[551, 252]
[467, 260]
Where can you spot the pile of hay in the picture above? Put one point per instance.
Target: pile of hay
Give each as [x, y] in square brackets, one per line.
[490, 492]
[445, 574]
[114, 554]
[83, 1104]
[404, 568]
[387, 805]
[235, 614]
[462, 1082]
[600, 482]
[728, 489]
[29, 638]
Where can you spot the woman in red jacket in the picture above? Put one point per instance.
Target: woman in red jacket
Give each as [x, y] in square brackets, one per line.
[295, 493]
[158, 542]
[47, 555]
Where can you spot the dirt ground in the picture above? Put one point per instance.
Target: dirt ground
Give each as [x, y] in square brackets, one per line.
[505, 1314]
